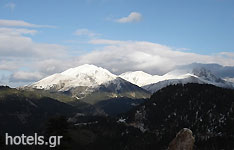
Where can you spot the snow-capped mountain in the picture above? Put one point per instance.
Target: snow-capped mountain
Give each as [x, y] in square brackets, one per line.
[197, 75]
[154, 83]
[90, 84]
[81, 81]
[142, 79]
[85, 75]
[216, 69]
[154, 87]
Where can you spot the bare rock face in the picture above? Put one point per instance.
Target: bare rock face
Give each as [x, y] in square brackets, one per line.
[184, 140]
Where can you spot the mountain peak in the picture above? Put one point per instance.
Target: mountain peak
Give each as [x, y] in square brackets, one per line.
[139, 78]
[86, 69]
[84, 75]
[136, 73]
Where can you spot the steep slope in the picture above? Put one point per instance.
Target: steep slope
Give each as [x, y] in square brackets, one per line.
[112, 89]
[205, 109]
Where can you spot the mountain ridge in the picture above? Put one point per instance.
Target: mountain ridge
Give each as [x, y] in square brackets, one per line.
[90, 84]
[85, 80]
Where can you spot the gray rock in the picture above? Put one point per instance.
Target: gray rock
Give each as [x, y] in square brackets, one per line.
[184, 140]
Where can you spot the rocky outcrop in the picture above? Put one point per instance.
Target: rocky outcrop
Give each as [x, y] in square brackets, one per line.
[184, 140]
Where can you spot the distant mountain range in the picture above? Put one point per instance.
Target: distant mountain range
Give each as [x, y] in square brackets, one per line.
[97, 88]
[86, 80]
[196, 75]
[218, 70]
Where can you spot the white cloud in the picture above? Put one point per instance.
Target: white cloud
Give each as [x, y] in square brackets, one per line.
[8, 65]
[51, 66]
[11, 6]
[22, 76]
[183, 49]
[228, 54]
[14, 44]
[85, 32]
[132, 17]
[16, 31]
[20, 23]
[18, 51]
[121, 56]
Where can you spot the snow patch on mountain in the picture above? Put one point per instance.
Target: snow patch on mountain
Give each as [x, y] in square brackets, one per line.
[162, 84]
[85, 75]
[139, 78]
[197, 75]
[229, 79]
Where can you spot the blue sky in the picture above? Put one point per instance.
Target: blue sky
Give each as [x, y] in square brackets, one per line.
[204, 26]
[195, 27]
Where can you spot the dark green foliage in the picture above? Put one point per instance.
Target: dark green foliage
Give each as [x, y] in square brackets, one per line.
[205, 109]
[58, 126]
[107, 134]
[27, 114]
[116, 106]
